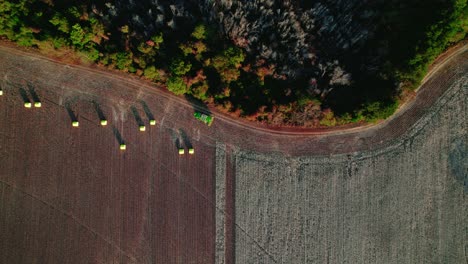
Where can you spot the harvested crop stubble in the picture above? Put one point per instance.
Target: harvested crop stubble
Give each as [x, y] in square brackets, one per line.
[404, 203]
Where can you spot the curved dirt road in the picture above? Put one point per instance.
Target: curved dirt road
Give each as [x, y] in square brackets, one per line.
[238, 133]
[69, 195]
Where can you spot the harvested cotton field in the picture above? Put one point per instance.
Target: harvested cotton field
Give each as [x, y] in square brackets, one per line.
[405, 203]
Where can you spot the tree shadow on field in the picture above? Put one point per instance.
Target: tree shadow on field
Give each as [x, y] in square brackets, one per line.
[137, 116]
[147, 110]
[33, 93]
[117, 135]
[184, 138]
[70, 112]
[24, 95]
[99, 111]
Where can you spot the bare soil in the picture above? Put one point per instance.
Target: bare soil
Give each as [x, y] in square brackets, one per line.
[69, 195]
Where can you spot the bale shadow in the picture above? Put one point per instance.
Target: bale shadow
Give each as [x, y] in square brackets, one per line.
[118, 136]
[185, 139]
[99, 111]
[24, 95]
[175, 137]
[147, 110]
[7, 85]
[137, 116]
[178, 143]
[72, 114]
[33, 93]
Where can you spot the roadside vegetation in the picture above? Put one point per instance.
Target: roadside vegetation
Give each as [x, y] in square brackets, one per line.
[196, 60]
[444, 22]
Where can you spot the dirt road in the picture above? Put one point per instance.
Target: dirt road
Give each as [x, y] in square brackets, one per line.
[69, 195]
[243, 134]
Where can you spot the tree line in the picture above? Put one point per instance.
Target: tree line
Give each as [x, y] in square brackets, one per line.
[199, 62]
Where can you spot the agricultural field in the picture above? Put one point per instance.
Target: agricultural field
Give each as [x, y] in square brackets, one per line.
[70, 195]
[390, 193]
[405, 203]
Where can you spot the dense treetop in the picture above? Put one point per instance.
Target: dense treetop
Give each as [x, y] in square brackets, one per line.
[307, 63]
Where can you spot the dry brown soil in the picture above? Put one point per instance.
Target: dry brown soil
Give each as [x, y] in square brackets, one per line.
[69, 195]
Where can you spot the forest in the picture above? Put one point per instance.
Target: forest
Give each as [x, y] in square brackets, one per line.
[291, 63]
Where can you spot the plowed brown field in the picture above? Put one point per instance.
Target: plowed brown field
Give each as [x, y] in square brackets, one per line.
[69, 195]
[248, 195]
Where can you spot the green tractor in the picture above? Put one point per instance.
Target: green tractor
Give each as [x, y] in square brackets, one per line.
[208, 120]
